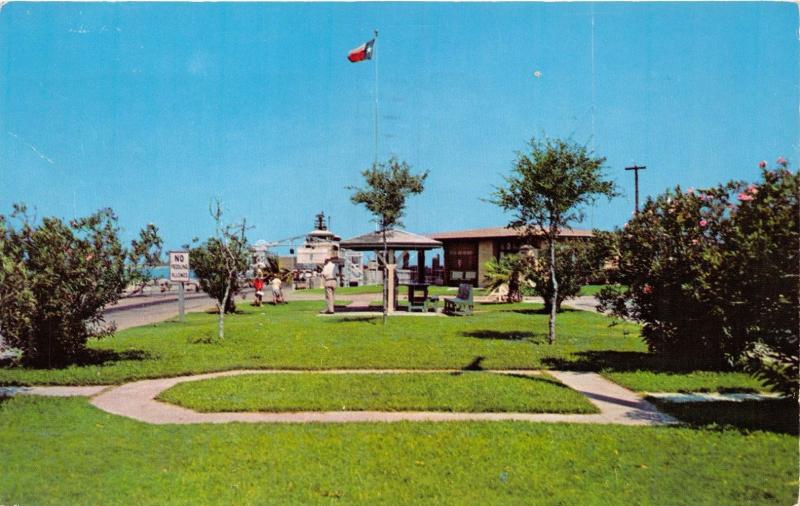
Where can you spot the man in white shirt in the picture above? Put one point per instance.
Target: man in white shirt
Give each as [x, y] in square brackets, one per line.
[330, 275]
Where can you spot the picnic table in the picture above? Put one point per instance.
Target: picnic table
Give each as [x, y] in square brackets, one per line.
[418, 299]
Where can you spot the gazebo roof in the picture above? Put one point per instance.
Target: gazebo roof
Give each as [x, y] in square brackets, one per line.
[395, 239]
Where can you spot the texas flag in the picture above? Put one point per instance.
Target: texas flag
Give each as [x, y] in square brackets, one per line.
[362, 52]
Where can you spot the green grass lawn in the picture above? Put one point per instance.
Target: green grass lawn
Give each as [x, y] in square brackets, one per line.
[293, 336]
[593, 289]
[461, 392]
[344, 290]
[58, 451]
[686, 381]
[498, 336]
[401, 290]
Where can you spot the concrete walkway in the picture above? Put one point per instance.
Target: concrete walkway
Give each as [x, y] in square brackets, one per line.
[710, 397]
[54, 391]
[617, 405]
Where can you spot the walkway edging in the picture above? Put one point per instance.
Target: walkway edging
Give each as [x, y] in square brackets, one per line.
[617, 405]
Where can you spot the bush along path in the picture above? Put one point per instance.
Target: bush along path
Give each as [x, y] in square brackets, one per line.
[137, 400]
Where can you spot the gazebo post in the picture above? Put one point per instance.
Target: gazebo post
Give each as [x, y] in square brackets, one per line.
[420, 266]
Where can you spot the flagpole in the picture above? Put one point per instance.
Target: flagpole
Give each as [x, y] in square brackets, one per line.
[383, 225]
[375, 54]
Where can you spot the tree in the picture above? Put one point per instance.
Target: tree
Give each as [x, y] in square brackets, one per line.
[577, 263]
[548, 189]
[145, 254]
[220, 263]
[387, 188]
[57, 278]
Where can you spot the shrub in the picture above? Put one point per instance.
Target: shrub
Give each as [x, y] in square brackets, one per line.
[577, 262]
[511, 271]
[57, 277]
[713, 275]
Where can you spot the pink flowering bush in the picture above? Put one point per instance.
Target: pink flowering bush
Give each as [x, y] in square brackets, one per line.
[713, 276]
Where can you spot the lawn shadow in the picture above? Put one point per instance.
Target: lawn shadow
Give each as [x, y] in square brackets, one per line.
[542, 311]
[770, 415]
[103, 357]
[506, 335]
[229, 313]
[627, 361]
[475, 365]
[343, 318]
[541, 379]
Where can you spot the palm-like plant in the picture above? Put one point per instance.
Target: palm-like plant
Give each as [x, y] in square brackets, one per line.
[511, 271]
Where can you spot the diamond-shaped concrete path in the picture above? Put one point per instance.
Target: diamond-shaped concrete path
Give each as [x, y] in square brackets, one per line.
[136, 400]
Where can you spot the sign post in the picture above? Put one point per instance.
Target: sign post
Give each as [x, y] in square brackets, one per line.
[179, 273]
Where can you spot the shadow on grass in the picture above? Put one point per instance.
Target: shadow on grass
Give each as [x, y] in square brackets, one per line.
[102, 357]
[772, 415]
[87, 357]
[627, 361]
[343, 318]
[506, 335]
[542, 311]
[475, 365]
[540, 379]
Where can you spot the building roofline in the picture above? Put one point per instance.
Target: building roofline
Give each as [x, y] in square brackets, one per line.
[500, 233]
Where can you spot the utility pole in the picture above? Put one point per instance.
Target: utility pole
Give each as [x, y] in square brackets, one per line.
[636, 170]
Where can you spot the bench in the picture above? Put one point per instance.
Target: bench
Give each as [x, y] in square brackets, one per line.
[461, 304]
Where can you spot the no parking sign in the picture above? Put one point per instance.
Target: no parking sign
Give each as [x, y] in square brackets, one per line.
[179, 266]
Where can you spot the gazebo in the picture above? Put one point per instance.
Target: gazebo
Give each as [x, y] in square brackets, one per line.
[396, 240]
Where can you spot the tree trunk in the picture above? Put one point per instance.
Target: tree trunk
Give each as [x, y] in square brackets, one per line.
[221, 307]
[551, 336]
[385, 273]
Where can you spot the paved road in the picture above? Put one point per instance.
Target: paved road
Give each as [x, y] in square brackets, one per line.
[136, 316]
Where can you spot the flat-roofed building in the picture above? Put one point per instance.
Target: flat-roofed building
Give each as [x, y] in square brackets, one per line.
[467, 251]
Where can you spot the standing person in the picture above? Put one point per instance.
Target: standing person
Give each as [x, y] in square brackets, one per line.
[330, 275]
[277, 294]
[258, 284]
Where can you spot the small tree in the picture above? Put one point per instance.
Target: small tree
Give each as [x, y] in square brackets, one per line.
[145, 253]
[547, 191]
[57, 278]
[577, 262]
[387, 188]
[220, 263]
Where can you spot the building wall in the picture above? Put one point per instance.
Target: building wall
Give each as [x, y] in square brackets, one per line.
[461, 262]
[486, 252]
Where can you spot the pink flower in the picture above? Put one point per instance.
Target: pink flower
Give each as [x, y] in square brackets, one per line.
[689, 191]
[752, 190]
[745, 197]
[89, 256]
[762, 164]
[647, 289]
[695, 241]
[703, 222]
[782, 161]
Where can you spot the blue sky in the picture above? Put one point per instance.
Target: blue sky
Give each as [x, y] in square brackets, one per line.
[156, 109]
